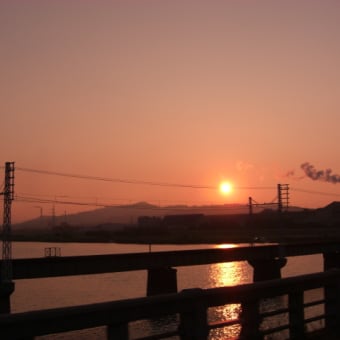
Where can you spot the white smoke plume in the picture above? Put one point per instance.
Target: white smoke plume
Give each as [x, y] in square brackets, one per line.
[320, 175]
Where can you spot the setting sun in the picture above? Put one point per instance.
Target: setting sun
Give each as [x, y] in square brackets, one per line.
[225, 188]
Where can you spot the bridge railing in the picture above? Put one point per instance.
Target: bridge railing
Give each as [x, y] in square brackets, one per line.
[97, 264]
[191, 307]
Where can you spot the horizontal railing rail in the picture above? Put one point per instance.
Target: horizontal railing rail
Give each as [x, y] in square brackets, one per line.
[96, 264]
[191, 306]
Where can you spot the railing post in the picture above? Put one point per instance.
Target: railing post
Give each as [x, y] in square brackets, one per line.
[332, 292]
[296, 316]
[250, 321]
[332, 307]
[193, 317]
[118, 331]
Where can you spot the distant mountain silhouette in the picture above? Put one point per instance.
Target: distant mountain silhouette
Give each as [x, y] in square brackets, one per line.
[124, 214]
[129, 214]
[146, 223]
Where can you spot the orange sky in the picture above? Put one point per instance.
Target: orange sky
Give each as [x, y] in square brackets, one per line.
[189, 92]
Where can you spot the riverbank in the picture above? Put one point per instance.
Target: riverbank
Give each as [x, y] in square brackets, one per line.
[184, 235]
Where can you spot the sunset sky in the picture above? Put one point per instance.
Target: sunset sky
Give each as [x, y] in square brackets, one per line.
[183, 92]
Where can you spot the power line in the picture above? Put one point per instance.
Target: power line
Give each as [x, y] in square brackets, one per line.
[126, 200]
[117, 180]
[162, 184]
[133, 181]
[34, 198]
[315, 192]
[28, 199]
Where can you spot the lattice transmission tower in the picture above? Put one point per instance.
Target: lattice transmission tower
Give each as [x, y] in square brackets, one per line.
[283, 197]
[8, 193]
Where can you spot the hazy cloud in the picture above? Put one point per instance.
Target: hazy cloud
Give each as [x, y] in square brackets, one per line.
[320, 175]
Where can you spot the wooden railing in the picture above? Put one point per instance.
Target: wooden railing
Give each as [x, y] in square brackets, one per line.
[191, 310]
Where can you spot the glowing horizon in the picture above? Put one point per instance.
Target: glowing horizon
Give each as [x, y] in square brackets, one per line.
[171, 92]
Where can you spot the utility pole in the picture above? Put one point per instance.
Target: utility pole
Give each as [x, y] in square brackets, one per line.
[283, 197]
[250, 205]
[41, 210]
[6, 284]
[53, 216]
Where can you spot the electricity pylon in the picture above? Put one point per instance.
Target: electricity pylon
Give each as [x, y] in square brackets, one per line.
[283, 197]
[8, 193]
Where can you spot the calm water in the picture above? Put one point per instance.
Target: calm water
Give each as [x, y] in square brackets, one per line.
[35, 294]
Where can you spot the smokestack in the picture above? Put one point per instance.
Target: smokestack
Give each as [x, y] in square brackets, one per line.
[320, 175]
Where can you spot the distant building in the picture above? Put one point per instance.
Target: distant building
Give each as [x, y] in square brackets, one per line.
[149, 221]
[188, 221]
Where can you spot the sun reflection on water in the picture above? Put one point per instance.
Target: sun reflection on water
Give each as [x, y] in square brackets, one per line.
[227, 274]
[226, 246]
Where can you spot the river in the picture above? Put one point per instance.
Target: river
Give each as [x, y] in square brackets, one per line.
[35, 294]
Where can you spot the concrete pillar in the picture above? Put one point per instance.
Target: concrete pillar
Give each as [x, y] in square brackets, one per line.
[6, 289]
[267, 269]
[161, 281]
